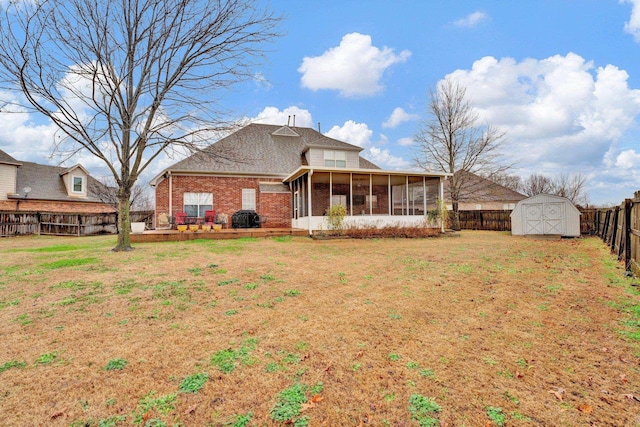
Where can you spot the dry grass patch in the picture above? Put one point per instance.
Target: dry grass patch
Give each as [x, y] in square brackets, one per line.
[481, 328]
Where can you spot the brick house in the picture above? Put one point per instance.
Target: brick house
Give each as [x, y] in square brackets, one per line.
[32, 187]
[479, 193]
[291, 176]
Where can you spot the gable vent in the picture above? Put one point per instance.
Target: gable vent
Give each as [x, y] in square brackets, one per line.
[285, 131]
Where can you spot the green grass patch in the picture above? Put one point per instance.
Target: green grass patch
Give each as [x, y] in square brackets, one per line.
[423, 409]
[193, 383]
[47, 358]
[161, 404]
[67, 263]
[12, 364]
[227, 360]
[52, 248]
[115, 365]
[287, 407]
[496, 415]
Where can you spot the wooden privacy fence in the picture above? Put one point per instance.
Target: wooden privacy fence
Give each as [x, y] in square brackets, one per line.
[500, 220]
[485, 220]
[65, 224]
[619, 228]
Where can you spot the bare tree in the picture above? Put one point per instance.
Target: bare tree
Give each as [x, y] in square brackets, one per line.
[537, 184]
[108, 194]
[513, 182]
[126, 80]
[570, 186]
[451, 140]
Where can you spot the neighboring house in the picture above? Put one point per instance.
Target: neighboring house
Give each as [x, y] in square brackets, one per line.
[483, 194]
[291, 176]
[27, 186]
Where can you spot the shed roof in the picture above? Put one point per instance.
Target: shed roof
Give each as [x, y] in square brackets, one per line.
[539, 198]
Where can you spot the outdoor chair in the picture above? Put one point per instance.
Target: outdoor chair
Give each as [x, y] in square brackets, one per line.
[209, 217]
[163, 222]
[181, 218]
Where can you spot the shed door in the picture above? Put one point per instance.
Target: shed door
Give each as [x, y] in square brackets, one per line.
[553, 218]
[544, 218]
[533, 218]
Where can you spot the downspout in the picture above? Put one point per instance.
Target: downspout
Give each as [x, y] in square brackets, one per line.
[441, 191]
[170, 194]
[310, 212]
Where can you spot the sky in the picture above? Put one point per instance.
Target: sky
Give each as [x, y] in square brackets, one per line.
[561, 78]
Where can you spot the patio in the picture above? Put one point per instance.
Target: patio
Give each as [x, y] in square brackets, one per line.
[150, 236]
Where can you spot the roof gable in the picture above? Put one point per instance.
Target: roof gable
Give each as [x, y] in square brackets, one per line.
[285, 131]
[259, 149]
[7, 159]
[74, 168]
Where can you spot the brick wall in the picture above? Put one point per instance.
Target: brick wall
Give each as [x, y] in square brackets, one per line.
[54, 206]
[227, 197]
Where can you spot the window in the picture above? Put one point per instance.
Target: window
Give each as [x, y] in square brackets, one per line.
[249, 199]
[78, 184]
[372, 200]
[195, 204]
[339, 199]
[335, 159]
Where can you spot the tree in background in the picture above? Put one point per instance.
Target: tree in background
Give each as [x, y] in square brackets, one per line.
[537, 184]
[451, 140]
[127, 80]
[570, 186]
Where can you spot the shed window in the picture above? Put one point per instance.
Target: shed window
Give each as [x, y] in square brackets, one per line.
[195, 204]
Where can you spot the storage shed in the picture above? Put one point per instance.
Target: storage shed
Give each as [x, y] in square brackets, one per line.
[545, 214]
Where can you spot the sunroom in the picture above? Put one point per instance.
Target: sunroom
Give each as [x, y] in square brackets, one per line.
[372, 197]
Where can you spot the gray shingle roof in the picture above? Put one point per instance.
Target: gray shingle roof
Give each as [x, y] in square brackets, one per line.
[255, 149]
[46, 183]
[7, 159]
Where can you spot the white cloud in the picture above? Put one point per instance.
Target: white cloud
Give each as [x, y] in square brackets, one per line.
[354, 133]
[398, 117]
[359, 134]
[354, 68]
[471, 20]
[633, 25]
[406, 142]
[628, 159]
[20, 136]
[261, 82]
[557, 110]
[273, 116]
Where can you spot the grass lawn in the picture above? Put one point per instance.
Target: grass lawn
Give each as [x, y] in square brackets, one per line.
[477, 330]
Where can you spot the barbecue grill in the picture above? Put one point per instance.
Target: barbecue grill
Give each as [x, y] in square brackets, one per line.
[245, 219]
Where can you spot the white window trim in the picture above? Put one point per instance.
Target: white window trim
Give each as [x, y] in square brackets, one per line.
[83, 184]
[333, 157]
[249, 199]
[200, 199]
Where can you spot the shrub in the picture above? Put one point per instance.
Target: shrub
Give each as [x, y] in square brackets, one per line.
[335, 216]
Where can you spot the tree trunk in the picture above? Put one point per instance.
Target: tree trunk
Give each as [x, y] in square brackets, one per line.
[455, 218]
[124, 221]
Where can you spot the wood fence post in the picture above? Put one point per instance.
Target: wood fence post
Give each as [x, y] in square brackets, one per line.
[628, 205]
[614, 228]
